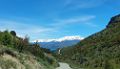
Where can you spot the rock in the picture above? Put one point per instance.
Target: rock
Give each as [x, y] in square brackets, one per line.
[114, 20]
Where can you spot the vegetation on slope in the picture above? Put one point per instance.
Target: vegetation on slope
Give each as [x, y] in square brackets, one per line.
[98, 51]
[18, 53]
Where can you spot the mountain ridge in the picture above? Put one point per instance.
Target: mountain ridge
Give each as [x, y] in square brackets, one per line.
[114, 20]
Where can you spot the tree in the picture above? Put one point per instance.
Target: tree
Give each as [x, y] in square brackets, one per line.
[6, 38]
[23, 44]
[13, 33]
[36, 50]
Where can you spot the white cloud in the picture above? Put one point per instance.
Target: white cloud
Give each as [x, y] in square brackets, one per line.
[60, 39]
[22, 28]
[77, 20]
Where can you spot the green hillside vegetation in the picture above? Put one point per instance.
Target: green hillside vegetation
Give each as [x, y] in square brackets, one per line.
[18, 53]
[98, 51]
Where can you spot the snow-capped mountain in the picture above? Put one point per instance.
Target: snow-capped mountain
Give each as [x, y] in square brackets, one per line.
[54, 44]
[60, 39]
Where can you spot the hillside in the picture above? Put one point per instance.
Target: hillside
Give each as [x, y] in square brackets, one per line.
[98, 51]
[18, 53]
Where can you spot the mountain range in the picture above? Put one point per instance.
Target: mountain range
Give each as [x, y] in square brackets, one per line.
[54, 44]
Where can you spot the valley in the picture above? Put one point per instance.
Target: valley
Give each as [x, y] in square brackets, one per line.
[59, 34]
[98, 51]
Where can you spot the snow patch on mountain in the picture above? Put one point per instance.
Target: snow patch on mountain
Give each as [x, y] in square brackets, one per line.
[60, 39]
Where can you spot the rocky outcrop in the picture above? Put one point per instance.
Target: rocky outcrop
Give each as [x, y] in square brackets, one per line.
[114, 20]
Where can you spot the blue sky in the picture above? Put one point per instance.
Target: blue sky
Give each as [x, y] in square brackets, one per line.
[48, 19]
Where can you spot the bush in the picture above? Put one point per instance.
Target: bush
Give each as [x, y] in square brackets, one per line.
[6, 38]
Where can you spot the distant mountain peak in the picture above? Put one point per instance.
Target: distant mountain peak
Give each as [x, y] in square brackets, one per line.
[60, 39]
